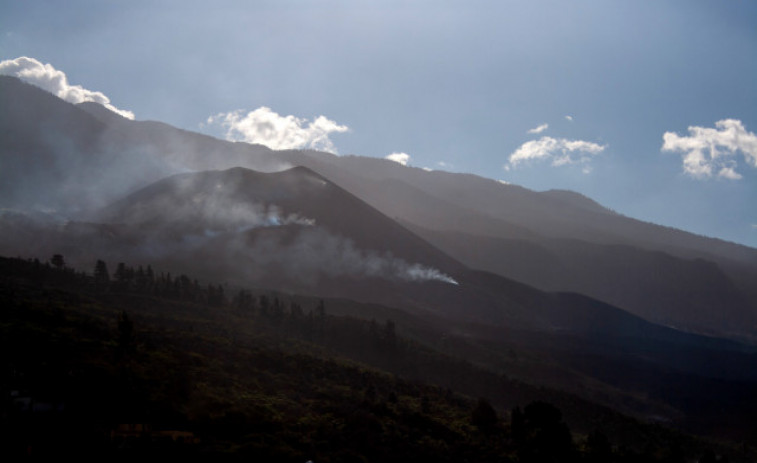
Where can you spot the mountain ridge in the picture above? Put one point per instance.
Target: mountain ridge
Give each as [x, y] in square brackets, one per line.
[131, 154]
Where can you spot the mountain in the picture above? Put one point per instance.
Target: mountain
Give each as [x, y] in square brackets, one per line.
[296, 231]
[294, 220]
[76, 158]
[560, 241]
[86, 157]
[548, 287]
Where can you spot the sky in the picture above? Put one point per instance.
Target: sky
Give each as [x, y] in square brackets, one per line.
[648, 107]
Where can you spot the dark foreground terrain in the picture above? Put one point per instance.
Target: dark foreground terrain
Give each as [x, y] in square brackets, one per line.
[129, 361]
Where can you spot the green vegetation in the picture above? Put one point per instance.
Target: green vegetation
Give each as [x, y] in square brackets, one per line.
[137, 362]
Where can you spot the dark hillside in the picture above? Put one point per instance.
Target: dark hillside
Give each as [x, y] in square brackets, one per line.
[253, 375]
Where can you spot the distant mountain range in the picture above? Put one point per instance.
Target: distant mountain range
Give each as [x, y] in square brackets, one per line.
[124, 187]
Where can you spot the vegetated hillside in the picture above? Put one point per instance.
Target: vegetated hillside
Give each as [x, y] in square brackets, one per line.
[261, 375]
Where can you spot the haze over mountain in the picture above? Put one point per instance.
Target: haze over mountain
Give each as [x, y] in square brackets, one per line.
[86, 157]
[579, 290]
[609, 100]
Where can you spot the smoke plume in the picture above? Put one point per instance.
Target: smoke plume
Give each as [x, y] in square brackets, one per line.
[315, 251]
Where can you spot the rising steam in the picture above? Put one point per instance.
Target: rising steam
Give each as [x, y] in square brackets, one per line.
[315, 251]
[417, 272]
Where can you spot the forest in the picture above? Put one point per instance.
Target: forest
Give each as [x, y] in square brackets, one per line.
[133, 361]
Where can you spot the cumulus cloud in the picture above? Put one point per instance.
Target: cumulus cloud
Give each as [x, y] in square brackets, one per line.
[539, 129]
[266, 127]
[560, 151]
[55, 81]
[711, 152]
[401, 158]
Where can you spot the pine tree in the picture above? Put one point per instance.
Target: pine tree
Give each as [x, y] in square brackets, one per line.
[58, 262]
[102, 277]
[484, 417]
[126, 342]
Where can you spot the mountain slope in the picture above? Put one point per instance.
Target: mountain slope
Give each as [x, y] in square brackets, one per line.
[652, 284]
[330, 229]
[240, 200]
[73, 159]
[296, 230]
[559, 241]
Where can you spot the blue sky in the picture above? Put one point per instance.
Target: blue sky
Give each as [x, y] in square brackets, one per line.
[452, 85]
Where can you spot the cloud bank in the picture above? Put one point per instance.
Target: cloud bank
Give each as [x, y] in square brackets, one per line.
[709, 152]
[560, 151]
[401, 158]
[266, 127]
[539, 129]
[54, 81]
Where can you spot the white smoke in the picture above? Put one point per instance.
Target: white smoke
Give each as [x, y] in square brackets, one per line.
[210, 214]
[315, 251]
[418, 272]
[242, 217]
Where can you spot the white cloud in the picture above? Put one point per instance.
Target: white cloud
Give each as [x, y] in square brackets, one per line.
[401, 158]
[569, 118]
[707, 151]
[539, 129]
[267, 127]
[560, 151]
[729, 173]
[54, 81]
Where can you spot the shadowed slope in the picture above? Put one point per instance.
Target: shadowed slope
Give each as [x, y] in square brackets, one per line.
[71, 159]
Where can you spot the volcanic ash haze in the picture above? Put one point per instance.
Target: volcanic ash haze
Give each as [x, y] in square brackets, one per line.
[295, 223]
